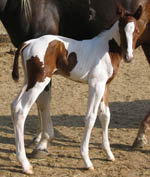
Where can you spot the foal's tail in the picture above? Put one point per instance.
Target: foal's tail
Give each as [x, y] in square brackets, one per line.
[15, 72]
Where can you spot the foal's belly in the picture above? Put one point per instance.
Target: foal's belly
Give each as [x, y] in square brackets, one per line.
[79, 74]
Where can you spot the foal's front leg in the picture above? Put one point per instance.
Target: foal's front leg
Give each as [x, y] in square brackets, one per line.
[96, 91]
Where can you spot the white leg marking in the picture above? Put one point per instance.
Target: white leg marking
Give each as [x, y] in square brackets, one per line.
[96, 92]
[105, 119]
[20, 108]
[43, 103]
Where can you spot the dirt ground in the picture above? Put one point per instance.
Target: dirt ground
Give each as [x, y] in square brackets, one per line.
[129, 102]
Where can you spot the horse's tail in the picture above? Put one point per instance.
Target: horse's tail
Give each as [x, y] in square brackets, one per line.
[15, 72]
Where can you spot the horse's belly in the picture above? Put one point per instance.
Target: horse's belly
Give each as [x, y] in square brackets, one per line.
[79, 75]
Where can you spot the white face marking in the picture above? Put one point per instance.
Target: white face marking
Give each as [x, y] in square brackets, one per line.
[129, 30]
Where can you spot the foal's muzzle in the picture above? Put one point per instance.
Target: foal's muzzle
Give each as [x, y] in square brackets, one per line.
[128, 58]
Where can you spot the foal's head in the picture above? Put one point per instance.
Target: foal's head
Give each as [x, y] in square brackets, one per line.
[129, 33]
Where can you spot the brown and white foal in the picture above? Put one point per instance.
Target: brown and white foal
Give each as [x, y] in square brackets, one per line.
[94, 62]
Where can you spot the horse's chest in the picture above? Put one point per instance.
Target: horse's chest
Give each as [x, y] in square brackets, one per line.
[103, 70]
[100, 67]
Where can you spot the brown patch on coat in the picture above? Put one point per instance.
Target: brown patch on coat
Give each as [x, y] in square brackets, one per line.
[51, 55]
[55, 59]
[105, 97]
[65, 66]
[115, 56]
[35, 71]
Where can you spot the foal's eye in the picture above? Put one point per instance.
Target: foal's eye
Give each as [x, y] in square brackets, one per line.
[137, 30]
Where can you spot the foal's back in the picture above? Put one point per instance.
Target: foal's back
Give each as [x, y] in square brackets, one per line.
[87, 53]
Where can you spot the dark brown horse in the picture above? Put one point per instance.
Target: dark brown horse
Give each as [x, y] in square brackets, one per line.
[78, 19]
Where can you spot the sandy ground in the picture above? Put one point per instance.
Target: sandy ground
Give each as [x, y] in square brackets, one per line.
[129, 102]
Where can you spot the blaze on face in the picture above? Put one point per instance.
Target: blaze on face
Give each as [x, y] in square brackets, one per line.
[129, 35]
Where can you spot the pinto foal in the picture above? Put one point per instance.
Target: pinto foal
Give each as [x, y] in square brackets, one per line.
[94, 62]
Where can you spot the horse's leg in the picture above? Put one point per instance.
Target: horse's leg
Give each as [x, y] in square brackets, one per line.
[20, 109]
[38, 135]
[43, 103]
[104, 118]
[96, 91]
[146, 49]
[141, 140]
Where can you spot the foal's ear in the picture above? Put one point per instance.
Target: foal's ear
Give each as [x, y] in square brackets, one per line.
[120, 10]
[138, 12]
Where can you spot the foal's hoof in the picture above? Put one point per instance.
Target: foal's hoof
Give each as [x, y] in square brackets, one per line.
[91, 168]
[29, 171]
[111, 159]
[39, 154]
[139, 143]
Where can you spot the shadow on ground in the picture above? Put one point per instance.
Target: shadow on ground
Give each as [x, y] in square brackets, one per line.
[123, 115]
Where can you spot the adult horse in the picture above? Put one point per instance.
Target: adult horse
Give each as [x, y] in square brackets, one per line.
[78, 19]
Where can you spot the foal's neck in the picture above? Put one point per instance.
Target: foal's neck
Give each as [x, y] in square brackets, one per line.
[112, 33]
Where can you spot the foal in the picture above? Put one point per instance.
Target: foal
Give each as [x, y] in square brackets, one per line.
[94, 62]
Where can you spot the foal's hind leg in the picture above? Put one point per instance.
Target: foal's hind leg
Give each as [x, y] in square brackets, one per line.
[43, 103]
[20, 109]
[104, 117]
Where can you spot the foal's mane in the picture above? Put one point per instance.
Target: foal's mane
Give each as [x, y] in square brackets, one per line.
[26, 8]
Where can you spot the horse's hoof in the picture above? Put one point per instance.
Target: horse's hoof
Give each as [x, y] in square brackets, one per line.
[139, 143]
[39, 154]
[29, 171]
[111, 159]
[91, 168]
